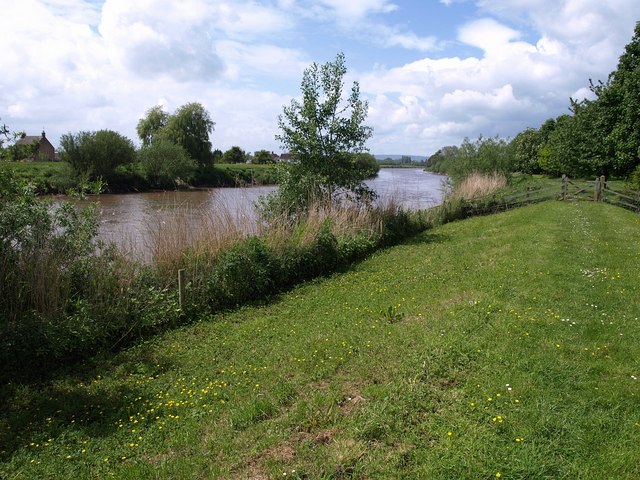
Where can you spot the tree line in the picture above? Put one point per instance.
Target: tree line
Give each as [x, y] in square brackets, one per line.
[599, 136]
[176, 149]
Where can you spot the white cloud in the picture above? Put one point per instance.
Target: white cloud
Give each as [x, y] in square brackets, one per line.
[71, 65]
[487, 34]
[358, 8]
[263, 59]
[391, 37]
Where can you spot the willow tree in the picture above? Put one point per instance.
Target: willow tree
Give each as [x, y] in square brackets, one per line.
[323, 132]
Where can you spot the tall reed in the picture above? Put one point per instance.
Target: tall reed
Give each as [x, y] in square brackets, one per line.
[479, 185]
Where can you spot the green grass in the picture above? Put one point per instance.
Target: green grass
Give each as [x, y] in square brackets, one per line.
[242, 173]
[45, 176]
[499, 346]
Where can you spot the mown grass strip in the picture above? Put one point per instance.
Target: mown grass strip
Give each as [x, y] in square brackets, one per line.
[496, 347]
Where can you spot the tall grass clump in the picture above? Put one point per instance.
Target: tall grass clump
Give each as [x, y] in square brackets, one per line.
[471, 195]
[230, 261]
[64, 294]
[479, 185]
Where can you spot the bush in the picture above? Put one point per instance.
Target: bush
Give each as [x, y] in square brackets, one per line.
[166, 165]
[96, 154]
[634, 179]
[242, 274]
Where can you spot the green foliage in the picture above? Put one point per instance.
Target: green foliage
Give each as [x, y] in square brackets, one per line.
[526, 146]
[602, 136]
[165, 164]
[366, 164]
[242, 274]
[621, 96]
[487, 155]
[20, 151]
[391, 314]
[440, 162]
[44, 177]
[634, 179]
[322, 133]
[236, 175]
[234, 155]
[189, 127]
[148, 127]
[96, 154]
[64, 294]
[262, 157]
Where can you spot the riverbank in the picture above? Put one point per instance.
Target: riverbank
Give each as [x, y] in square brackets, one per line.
[503, 347]
[56, 178]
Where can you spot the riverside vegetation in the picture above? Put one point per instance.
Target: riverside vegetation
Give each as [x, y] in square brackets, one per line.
[503, 348]
[57, 177]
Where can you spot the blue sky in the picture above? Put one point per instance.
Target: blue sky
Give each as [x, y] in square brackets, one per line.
[433, 72]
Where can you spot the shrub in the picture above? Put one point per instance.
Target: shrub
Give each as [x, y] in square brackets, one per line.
[242, 274]
[96, 154]
[166, 165]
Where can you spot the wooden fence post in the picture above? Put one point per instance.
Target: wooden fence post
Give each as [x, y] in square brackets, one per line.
[181, 288]
[564, 186]
[603, 185]
[596, 190]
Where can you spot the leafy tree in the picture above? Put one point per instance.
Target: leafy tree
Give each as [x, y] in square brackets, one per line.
[622, 96]
[15, 151]
[602, 136]
[578, 146]
[190, 127]
[234, 155]
[486, 155]
[322, 133]
[165, 164]
[262, 157]
[526, 146]
[148, 127]
[96, 154]
[367, 164]
[217, 155]
[440, 161]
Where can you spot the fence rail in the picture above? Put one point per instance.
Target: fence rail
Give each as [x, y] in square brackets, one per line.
[588, 190]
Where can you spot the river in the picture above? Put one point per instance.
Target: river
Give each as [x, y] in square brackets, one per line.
[134, 221]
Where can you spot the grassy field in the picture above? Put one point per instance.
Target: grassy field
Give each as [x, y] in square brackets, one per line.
[44, 176]
[503, 346]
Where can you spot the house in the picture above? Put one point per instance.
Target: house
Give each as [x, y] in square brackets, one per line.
[45, 150]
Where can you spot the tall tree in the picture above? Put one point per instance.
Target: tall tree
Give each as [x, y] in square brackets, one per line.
[190, 127]
[262, 157]
[234, 155]
[623, 92]
[323, 133]
[154, 120]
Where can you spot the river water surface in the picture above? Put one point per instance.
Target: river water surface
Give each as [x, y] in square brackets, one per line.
[134, 220]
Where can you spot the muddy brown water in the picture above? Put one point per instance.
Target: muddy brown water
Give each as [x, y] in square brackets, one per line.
[133, 221]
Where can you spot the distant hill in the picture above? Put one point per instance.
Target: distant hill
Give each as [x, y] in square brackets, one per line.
[415, 158]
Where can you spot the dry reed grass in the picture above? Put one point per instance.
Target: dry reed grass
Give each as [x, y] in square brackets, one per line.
[479, 185]
[178, 239]
[203, 233]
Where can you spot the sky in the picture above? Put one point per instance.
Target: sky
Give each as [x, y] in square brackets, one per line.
[434, 72]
